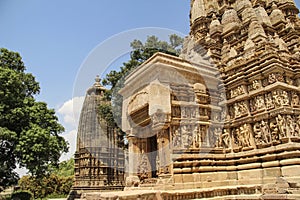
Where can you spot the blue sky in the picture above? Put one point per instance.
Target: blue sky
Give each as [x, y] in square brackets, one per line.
[54, 37]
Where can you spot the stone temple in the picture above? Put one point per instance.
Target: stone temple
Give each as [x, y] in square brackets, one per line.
[99, 158]
[222, 121]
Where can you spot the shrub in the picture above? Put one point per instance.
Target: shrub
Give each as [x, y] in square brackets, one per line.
[22, 195]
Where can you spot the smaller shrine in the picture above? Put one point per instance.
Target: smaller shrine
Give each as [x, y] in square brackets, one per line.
[99, 160]
[166, 112]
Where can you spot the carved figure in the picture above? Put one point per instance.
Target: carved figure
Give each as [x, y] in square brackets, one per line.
[290, 126]
[259, 102]
[256, 85]
[269, 101]
[272, 78]
[285, 98]
[266, 131]
[177, 139]
[236, 110]
[295, 99]
[196, 137]
[243, 107]
[281, 125]
[218, 135]
[277, 99]
[225, 139]
[258, 135]
[186, 137]
[297, 126]
[245, 135]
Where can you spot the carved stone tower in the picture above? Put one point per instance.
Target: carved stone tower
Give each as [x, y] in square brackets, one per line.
[99, 161]
[255, 46]
[223, 118]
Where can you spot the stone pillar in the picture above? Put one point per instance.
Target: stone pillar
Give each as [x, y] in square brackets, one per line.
[164, 152]
[132, 179]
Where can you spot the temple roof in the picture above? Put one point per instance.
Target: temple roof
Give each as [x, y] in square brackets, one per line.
[90, 132]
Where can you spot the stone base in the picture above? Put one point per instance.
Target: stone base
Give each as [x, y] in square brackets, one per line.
[79, 192]
[227, 193]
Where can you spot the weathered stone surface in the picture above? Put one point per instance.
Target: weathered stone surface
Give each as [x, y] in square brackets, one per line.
[223, 120]
[228, 115]
[99, 162]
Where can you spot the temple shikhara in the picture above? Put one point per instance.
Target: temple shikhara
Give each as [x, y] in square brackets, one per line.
[221, 121]
[99, 159]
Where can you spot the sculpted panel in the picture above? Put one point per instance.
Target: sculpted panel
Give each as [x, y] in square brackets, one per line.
[240, 109]
[242, 136]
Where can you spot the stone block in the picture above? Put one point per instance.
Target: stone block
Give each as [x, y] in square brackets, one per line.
[188, 178]
[178, 178]
[253, 176]
[272, 172]
[291, 171]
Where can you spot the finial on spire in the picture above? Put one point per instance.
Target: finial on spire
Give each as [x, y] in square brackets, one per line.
[97, 81]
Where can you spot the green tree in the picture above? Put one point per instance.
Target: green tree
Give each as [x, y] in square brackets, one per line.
[115, 79]
[29, 131]
[65, 169]
[58, 183]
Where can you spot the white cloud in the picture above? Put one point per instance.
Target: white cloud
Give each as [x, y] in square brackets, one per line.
[70, 111]
[69, 114]
[71, 138]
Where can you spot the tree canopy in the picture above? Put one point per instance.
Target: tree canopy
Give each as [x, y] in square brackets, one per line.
[139, 54]
[29, 131]
[57, 184]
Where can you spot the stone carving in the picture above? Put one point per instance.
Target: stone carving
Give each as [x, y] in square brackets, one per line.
[269, 101]
[225, 139]
[237, 91]
[296, 52]
[257, 133]
[274, 131]
[256, 84]
[281, 122]
[285, 98]
[281, 98]
[265, 129]
[197, 137]
[218, 137]
[187, 139]
[132, 181]
[139, 100]
[259, 102]
[274, 77]
[203, 134]
[280, 43]
[176, 111]
[176, 139]
[244, 60]
[262, 132]
[243, 136]
[144, 166]
[240, 109]
[297, 126]
[290, 126]
[159, 117]
[295, 99]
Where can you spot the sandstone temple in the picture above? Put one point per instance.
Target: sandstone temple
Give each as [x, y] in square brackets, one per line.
[222, 121]
[99, 159]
